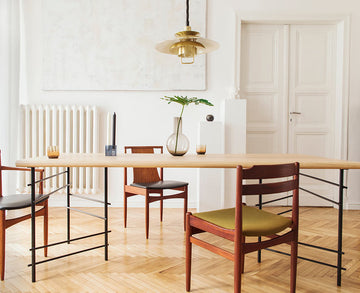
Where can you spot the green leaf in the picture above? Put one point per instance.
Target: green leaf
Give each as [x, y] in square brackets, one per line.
[185, 101]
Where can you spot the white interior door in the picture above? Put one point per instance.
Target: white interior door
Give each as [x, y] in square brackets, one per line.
[262, 84]
[312, 93]
[288, 77]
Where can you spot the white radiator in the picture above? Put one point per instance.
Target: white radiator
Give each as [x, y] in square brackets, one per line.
[70, 127]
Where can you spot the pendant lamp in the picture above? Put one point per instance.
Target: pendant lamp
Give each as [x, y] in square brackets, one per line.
[187, 44]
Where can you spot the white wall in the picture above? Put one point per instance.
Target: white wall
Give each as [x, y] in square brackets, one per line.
[9, 86]
[142, 117]
[145, 119]
[4, 79]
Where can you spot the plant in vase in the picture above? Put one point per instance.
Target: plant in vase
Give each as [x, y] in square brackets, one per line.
[178, 144]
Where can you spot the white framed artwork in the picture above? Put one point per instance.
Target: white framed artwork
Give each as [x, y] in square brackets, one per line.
[110, 45]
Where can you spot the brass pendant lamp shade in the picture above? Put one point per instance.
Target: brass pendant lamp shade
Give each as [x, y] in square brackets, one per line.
[187, 44]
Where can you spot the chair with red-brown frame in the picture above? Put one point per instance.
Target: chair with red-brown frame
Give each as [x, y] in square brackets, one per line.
[147, 181]
[236, 224]
[16, 202]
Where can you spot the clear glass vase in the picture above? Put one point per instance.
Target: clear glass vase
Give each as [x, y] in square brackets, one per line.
[177, 144]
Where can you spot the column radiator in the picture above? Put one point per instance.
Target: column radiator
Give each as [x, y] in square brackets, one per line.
[73, 129]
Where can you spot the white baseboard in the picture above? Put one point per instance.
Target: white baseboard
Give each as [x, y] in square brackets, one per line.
[352, 206]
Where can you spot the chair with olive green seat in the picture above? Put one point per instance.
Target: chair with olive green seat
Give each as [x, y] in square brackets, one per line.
[236, 224]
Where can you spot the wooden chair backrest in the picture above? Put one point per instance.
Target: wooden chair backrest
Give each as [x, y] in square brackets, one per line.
[285, 178]
[145, 175]
[271, 172]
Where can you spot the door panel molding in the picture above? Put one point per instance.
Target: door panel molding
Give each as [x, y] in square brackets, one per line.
[324, 38]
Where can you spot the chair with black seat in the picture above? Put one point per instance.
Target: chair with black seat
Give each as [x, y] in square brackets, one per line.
[16, 202]
[235, 224]
[147, 181]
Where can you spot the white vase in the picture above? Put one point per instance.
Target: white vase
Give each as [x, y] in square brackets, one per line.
[177, 144]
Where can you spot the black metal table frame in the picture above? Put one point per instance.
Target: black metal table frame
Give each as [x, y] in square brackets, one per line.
[340, 205]
[68, 240]
[33, 249]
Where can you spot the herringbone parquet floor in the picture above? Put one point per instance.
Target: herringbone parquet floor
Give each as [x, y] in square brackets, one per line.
[158, 264]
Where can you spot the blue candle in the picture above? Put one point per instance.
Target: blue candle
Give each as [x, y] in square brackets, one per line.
[114, 127]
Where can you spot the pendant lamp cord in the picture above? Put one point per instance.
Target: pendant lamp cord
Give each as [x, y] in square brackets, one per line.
[187, 13]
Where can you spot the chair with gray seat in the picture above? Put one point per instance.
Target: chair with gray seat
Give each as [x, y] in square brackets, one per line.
[17, 202]
[147, 181]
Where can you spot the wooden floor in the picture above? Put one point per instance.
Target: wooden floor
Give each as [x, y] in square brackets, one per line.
[158, 264]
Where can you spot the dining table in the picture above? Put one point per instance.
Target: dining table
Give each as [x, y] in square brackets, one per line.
[70, 160]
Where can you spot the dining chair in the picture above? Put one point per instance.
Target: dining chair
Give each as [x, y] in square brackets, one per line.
[148, 181]
[17, 202]
[236, 224]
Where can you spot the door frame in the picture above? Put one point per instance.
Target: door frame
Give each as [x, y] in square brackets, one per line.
[342, 23]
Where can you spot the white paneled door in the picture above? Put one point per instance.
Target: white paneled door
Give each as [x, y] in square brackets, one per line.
[288, 77]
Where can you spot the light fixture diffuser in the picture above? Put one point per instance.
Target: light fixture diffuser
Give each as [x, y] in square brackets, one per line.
[187, 44]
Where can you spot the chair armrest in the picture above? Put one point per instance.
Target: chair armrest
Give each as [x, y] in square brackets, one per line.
[19, 169]
[41, 185]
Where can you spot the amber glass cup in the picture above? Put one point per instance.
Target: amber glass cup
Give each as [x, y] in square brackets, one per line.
[201, 149]
[53, 152]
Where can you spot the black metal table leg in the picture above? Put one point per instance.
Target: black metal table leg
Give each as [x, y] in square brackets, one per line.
[68, 239]
[340, 185]
[106, 211]
[68, 204]
[340, 226]
[33, 252]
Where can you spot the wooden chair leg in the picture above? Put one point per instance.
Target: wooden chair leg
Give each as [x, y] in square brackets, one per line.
[46, 226]
[161, 206]
[147, 214]
[185, 205]
[242, 256]
[125, 209]
[293, 261]
[188, 253]
[237, 265]
[2, 244]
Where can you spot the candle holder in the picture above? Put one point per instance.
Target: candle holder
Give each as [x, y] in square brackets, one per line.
[110, 150]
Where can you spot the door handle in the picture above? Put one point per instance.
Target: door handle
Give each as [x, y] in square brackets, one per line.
[296, 113]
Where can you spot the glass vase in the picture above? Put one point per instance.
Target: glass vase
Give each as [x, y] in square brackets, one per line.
[177, 144]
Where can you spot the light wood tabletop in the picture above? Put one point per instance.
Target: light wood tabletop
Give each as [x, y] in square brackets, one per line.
[186, 161]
